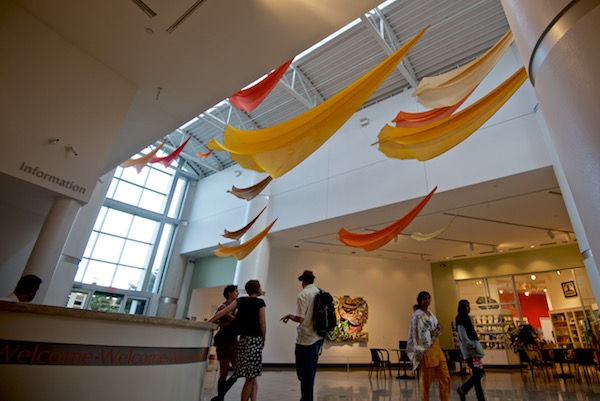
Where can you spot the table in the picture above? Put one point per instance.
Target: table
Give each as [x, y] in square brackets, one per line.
[399, 352]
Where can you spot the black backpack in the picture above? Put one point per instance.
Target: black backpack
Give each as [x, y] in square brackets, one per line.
[324, 319]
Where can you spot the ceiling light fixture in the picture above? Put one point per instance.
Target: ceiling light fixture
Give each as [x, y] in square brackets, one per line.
[495, 249]
[533, 277]
[550, 234]
[364, 121]
[526, 293]
[471, 246]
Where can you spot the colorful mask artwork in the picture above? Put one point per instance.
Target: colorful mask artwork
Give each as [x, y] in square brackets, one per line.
[352, 315]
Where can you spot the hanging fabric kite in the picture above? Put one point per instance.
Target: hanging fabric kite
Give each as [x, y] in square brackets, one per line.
[141, 162]
[428, 141]
[248, 99]
[407, 120]
[372, 241]
[236, 235]
[449, 88]
[426, 237]
[168, 159]
[241, 251]
[250, 192]
[204, 155]
[278, 149]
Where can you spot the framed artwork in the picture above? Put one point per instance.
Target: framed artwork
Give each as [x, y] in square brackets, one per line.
[569, 290]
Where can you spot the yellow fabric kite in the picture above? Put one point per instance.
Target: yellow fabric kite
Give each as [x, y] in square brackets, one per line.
[449, 88]
[372, 241]
[141, 162]
[431, 140]
[278, 149]
[417, 236]
[241, 251]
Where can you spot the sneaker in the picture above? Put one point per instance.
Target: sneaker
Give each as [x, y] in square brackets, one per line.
[461, 394]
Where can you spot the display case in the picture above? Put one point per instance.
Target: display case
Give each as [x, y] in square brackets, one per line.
[571, 327]
[493, 327]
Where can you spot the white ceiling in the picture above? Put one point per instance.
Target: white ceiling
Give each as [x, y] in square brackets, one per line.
[225, 45]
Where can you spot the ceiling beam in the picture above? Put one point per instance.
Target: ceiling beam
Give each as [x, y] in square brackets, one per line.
[369, 21]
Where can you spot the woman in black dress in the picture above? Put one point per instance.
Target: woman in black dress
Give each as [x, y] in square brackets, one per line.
[250, 322]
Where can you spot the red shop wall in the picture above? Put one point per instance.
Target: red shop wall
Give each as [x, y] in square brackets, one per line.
[533, 307]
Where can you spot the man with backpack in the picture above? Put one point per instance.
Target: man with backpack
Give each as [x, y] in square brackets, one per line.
[308, 342]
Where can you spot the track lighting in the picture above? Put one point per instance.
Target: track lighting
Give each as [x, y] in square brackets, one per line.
[550, 234]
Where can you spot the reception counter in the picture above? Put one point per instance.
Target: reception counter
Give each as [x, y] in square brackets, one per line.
[53, 353]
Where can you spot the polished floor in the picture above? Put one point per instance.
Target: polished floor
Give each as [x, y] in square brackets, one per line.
[355, 385]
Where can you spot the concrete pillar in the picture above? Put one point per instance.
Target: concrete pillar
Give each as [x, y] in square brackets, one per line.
[557, 41]
[50, 243]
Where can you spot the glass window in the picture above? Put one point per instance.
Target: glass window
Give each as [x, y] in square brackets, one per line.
[131, 239]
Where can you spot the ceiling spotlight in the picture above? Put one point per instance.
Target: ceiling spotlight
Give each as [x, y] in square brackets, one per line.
[495, 249]
[364, 121]
[526, 293]
[501, 292]
[533, 277]
[396, 239]
[545, 289]
[550, 234]
[558, 272]
[471, 246]
[569, 237]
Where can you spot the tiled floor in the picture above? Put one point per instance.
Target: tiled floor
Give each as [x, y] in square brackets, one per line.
[355, 385]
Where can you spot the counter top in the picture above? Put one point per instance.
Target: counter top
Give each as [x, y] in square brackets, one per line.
[21, 307]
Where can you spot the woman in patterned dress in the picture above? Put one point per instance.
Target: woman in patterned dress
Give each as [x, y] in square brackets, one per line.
[424, 350]
[251, 325]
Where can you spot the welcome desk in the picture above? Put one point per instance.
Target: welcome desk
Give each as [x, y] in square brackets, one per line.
[53, 353]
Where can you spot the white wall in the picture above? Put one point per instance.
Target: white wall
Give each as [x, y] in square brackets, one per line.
[389, 287]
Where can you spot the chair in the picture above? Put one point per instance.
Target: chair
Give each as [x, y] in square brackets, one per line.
[380, 359]
[526, 362]
[404, 360]
[584, 358]
[454, 356]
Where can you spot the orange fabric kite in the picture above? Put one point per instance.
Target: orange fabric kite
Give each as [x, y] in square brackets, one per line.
[168, 159]
[372, 241]
[431, 140]
[250, 192]
[235, 235]
[407, 120]
[248, 99]
[241, 251]
[141, 162]
[205, 155]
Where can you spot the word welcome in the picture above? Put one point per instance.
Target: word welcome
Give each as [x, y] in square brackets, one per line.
[39, 353]
[36, 172]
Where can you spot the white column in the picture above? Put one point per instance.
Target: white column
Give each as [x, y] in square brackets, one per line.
[255, 266]
[50, 243]
[66, 270]
[557, 41]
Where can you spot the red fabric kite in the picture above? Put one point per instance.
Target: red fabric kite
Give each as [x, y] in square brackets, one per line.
[168, 159]
[250, 192]
[248, 99]
[372, 241]
[407, 120]
[235, 235]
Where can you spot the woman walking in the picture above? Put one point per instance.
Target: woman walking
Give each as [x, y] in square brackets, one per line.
[250, 322]
[471, 349]
[424, 350]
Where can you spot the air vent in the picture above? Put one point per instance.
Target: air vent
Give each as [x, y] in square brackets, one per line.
[185, 15]
[144, 7]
